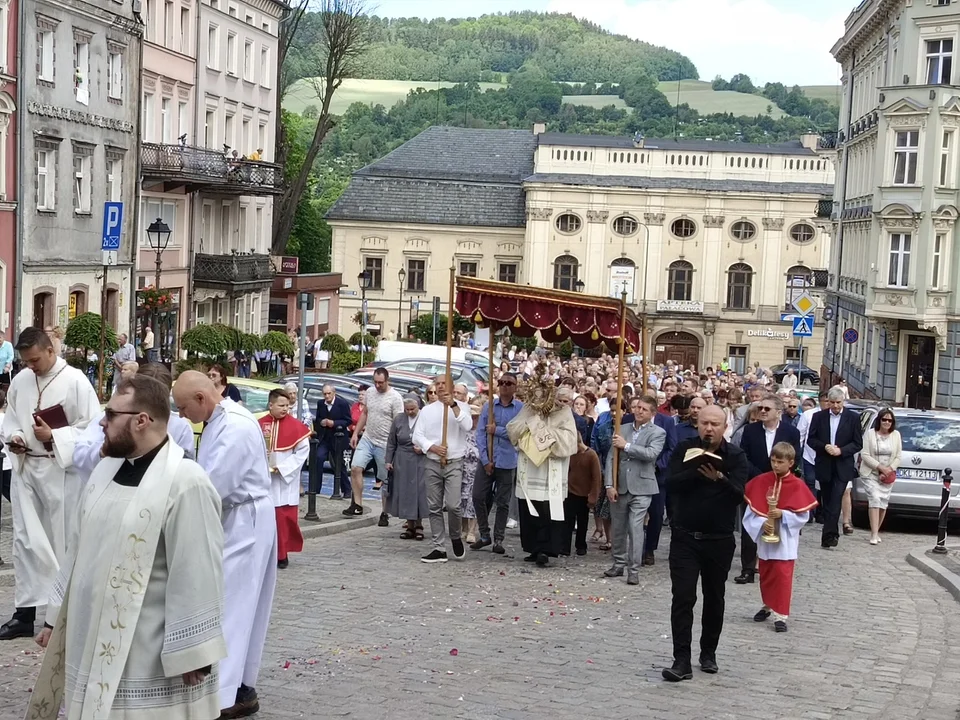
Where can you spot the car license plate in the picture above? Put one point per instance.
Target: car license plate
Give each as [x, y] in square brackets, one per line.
[915, 474]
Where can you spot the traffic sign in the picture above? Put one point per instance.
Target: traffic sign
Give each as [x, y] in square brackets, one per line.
[112, 225]
[804, 303]
[828, 313]
[803, 326]
[850, 336]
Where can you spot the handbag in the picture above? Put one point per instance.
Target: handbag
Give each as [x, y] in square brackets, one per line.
[888, 478]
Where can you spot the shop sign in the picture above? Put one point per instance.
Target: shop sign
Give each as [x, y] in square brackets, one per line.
[289, 265]
[680, 306]
[769, 333]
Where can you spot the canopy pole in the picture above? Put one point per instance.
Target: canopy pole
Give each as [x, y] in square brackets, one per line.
[619, 410]
[490, 418]
[447, 379]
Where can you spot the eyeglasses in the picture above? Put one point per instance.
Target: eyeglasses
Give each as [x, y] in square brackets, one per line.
[888, 420]
[431, 392]
[764, 408]
[112, 415]
[507, 383]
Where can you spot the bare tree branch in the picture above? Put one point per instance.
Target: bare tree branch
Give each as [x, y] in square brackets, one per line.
[345, 37]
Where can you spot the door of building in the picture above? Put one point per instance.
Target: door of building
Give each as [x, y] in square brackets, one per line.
[921, 354]
[680, 347]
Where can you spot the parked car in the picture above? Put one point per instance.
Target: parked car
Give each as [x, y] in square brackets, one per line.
[404, 382]
[473, 376]
[805, 374]
[931, 443]
[395, 350]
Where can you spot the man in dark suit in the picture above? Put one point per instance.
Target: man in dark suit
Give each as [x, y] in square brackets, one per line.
[651, 538]
[757, 443]
[835, 436]
[332, 420]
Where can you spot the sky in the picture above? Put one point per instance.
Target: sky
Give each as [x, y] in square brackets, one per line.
[784, 41]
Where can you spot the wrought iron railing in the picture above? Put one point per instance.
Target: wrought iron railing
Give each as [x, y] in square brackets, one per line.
[208, 167]
[827, 141]
[825, 208]
[234, 269]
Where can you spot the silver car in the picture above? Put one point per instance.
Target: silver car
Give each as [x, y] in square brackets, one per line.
[931, 444]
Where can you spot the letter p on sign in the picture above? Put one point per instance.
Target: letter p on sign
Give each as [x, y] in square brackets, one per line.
[112, 225]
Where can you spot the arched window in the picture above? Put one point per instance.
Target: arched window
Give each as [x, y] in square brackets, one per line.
[802, 233]
[799, 279]
[680, 280]
[565, 271]
[569, 223]
[743, 230]
[739, 286]
[625, 226]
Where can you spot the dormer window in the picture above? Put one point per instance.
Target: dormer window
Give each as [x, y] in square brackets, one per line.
[939, 61]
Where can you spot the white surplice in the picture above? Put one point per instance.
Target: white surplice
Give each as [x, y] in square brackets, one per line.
[86, 451]
[141, 602]
[45, 486]
[233, 453]
[788, 528]
[285, 482]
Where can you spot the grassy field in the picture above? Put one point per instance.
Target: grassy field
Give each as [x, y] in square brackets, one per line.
[384, 92]
[830, 93]
[703, 98]
[594, 101]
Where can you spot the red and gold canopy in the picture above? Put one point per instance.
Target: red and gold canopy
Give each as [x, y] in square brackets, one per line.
[559, 315]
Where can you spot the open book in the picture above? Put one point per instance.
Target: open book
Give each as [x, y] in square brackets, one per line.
[695, 457]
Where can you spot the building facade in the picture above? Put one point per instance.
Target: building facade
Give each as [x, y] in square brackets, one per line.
[9, 158]
[78, 137]
[896, 334]
[712, 241]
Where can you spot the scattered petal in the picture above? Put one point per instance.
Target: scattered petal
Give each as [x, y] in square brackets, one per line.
[589, 661]
[454, 652]
[286, 665]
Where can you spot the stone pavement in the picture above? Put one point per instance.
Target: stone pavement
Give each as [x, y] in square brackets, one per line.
[362, 629]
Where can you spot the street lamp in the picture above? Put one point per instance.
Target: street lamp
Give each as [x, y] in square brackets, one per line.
[402, 275]
[363, 279]
[578, 285]
[158, 234]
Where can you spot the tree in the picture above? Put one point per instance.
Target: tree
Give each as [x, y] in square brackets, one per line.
[344, 37]
[422, 329]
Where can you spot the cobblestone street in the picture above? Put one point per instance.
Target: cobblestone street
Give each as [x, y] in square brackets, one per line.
[362, 629]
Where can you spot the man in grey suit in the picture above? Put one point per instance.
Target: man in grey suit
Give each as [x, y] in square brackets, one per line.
[639, 443]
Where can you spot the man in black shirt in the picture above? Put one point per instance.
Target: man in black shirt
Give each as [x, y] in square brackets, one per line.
[704, 500]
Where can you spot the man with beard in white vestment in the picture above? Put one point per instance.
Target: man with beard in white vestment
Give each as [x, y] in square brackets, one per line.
[45, 487]
[233, 453]
[133, 627]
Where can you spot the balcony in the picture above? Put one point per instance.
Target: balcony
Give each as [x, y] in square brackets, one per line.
[825, 208]
[236, 273]
[827, 141]
[195, 169]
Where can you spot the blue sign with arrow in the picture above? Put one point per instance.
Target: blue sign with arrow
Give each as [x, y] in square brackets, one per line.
[803, 326]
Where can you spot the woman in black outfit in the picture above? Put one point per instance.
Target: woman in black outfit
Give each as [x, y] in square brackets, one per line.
[218, 374]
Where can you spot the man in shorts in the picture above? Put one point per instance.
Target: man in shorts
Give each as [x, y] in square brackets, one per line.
[369, 440]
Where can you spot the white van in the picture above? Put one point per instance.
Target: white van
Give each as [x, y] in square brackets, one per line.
[393, 351]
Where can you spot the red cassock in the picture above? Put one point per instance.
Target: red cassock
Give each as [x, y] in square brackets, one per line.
[282, 436]
[776, 576]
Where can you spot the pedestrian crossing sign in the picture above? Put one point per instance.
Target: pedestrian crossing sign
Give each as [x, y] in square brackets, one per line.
[803, 326]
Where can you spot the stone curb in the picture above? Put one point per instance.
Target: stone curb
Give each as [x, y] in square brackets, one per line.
[948, 579]
[323, 528]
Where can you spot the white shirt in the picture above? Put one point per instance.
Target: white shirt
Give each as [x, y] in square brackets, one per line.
[771, 435]
[834, 424]
[429, 429]
[803, 426]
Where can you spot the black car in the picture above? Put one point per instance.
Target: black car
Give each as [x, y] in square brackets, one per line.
[805, 375]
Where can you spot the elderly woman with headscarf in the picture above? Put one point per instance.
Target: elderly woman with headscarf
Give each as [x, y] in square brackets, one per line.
[408, 489]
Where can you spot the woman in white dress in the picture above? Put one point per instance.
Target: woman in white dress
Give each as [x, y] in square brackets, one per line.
[882, 449]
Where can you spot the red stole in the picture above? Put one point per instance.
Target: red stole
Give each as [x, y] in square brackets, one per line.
[282, 435]
[795, 496]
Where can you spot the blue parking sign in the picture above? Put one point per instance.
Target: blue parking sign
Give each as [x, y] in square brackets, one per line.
[112, 225]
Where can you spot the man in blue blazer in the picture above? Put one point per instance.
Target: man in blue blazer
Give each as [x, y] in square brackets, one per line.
[836, 437]
[757, 443]
[658, 503]
[331, 423]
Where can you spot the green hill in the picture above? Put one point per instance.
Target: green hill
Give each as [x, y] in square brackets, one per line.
[703, 98]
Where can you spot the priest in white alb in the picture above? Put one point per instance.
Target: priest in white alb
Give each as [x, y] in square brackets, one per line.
[233, 453]
[288, 446]
[49, 404]
[133, 627]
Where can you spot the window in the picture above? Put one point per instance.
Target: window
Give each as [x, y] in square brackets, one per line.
[148, 117]
[228, 129]
[115, 75]
[507, 272]
[265, 66]
[166, 120]
[939, 61]
[899, 275]
[225, 234]
[565, 271]
[163, 209]
[185, 30]
[258, 238]
[209, 129]
[680, 280]
[416, 275]
[46, 179]
[231, 53]
[248, 60]
[946, 177]
[739, 286]
[743, 230]
[81, 76]
[114, 179]
[4, 28]
[938, 242]
[262, 140]
[150, 20]
[568, 223]
[245, 139]
[468, 269]
[737, 357]
[168, 29]
[802, 233]
[232, 11]
[374, 265]
[213, 42]
[625, 226]
[81, 183]
[905, 157]
[183, 120]
[683, 228]
[795, 355]
[799, 279]
[45, 46]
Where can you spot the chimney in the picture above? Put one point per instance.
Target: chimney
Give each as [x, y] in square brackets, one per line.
[810, 140]
[539, 128]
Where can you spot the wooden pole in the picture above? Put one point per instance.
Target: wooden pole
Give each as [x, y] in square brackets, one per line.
[447, 379]
[101, 380]
[643, 351]
[490, 418]
[618, 414]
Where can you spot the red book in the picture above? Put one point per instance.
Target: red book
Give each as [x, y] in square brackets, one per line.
[54, 417]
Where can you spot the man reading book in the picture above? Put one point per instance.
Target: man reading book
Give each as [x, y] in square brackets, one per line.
[49, 405]
[705, 490]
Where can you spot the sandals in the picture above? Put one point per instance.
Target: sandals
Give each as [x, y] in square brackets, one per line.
[597, 536]
[605, 547]
[847, 529]
[418, 534]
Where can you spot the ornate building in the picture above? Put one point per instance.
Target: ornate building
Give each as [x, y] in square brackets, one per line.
[711, 240]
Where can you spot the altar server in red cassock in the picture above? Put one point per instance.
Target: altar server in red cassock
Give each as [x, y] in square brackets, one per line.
[794, 501]
[288, 446]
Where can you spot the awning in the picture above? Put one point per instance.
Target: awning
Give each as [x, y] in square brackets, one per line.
[587, 320]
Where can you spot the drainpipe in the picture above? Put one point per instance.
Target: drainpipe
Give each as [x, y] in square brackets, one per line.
[137, 196]
[21, 153]
[838, 347]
